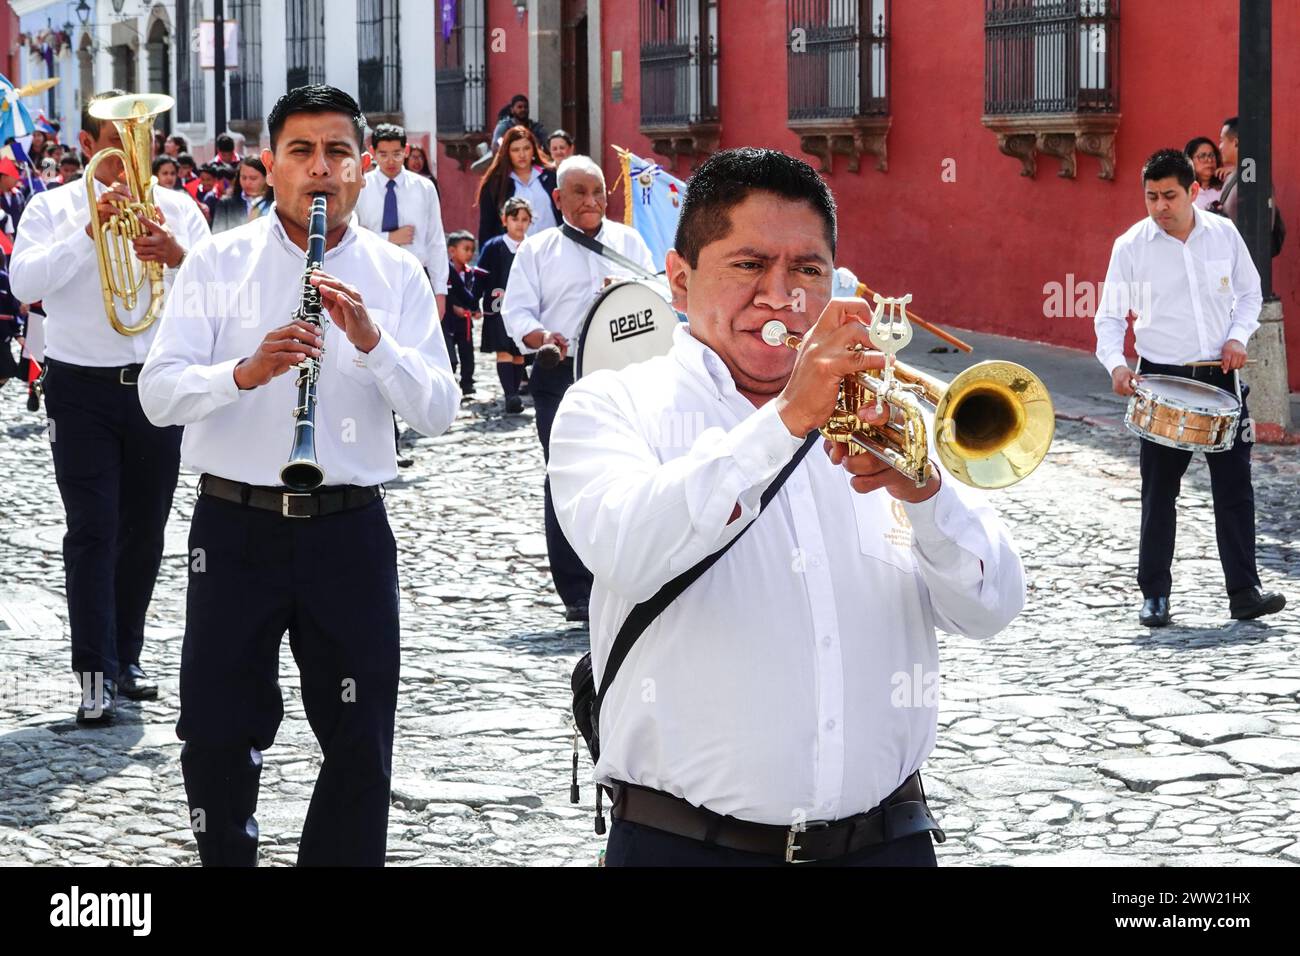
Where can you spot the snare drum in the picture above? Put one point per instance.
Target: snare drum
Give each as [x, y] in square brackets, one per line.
[631, 320]
[1183, 413]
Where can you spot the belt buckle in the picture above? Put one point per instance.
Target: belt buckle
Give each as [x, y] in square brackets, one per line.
[121, 377]
[284, 503]
[793, 833]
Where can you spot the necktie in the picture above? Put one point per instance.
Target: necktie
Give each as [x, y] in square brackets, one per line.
[390, 207]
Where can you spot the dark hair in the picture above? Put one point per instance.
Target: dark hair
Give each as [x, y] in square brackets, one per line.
[182, 146]
[424, 157]
[559, 134]
[460, 235]
[517, 98]
[70, 159]
[1162, 164]
[727, 178]
[515, 205]
[1231, 123]
[88, 122]
[317, 98]
[162, 161]
[252, 162]
[225, 143]
[387, 131]
[212, 169]
[1194, 145]
[185, 159]
[498, 172]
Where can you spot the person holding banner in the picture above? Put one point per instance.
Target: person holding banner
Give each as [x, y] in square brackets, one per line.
[553, 282]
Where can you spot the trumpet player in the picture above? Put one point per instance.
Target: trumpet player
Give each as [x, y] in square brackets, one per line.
[321, 564]
[116, 471]
[780, 708]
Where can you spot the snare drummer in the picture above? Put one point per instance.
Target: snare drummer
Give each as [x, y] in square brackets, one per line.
[553, 283]
[1188, 278]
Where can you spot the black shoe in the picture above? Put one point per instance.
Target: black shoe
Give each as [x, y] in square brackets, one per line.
[1155, 612]
[577, 612]
[514, 405]
[135, 684]
[1249, 603]
[405, 462]
[98, 710]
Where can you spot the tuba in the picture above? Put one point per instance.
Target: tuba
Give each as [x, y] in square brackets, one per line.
[121, 275]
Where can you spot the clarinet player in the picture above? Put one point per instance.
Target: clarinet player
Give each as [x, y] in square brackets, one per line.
[264, 560]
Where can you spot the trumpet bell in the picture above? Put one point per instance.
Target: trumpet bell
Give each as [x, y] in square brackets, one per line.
[993, 424]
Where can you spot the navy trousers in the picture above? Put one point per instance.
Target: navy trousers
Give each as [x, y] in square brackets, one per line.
[632, 844]
[1230, 487]
[331, 583]
[460, 349]
[572, 579]
[116, 473]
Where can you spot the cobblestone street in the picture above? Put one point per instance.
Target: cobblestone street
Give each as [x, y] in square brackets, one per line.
[1074, 737]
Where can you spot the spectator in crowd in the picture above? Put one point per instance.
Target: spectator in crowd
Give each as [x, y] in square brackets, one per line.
[188, 173]
[560, 146]
[464, 291]
[209, 193]
[1207, 162]
[226, 150]
[166, 172]
[69, 169]
[1226, 204]
[250, 198]
[417, 161]
[517, 169]
[495, 258]
[175, 146]
[516, 114]
[12, 198]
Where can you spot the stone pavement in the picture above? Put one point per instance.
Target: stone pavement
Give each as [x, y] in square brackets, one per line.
[1076, 737]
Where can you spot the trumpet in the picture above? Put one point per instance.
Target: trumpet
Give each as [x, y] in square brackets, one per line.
[121, 275]
[993, 423]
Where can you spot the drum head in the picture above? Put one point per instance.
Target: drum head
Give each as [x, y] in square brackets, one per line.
[1188, 394]
[631, 321]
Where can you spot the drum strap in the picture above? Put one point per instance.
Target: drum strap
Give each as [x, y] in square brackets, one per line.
[600, 249]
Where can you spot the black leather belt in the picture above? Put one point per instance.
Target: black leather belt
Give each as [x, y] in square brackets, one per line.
[290, 504]
[118, 375]
[903, 813]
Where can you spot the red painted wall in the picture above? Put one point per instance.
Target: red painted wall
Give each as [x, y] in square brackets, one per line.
[976, 253]
[507, 74]
[9, 41]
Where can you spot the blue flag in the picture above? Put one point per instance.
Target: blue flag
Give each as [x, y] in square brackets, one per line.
[653, 200]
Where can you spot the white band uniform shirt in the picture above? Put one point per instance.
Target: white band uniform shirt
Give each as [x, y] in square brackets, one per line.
[418, 205]
[1189, 297]
[797, 678]
[246, 282]
[54, 262]
[574, 276]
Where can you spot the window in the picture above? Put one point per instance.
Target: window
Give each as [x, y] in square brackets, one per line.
[305, 38]
[246, 80]
[1051, 56]
[379, 69]
[838, 58]
[679, 62]
[460, 76]
[190, 93]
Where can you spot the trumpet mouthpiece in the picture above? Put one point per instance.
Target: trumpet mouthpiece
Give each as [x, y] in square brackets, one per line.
[774, 332]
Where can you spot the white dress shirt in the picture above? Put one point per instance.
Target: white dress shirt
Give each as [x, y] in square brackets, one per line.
[418, 206]
[574, 276]
[797, 679]
[54, 262]
[1189, 297]
[539, 197]
[235, 289]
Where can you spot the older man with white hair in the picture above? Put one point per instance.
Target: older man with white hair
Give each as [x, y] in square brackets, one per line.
[553, 282]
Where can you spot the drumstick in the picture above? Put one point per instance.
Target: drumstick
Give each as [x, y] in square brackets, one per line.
[864, 290]
[1209, 363]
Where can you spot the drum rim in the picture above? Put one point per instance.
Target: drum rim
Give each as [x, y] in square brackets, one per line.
[1199, 409]
[591, 311]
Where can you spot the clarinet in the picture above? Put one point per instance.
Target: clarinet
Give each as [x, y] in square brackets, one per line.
[302, 472]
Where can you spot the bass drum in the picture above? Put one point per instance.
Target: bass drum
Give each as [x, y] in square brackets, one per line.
[631, 320]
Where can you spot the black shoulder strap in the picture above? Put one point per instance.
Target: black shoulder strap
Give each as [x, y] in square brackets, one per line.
[644, 613]
[600, 249]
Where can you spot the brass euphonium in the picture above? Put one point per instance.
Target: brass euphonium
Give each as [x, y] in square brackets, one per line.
[993, 423]
[121, 275]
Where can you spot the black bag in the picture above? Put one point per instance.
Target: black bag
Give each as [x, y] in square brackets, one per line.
[587, 698]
